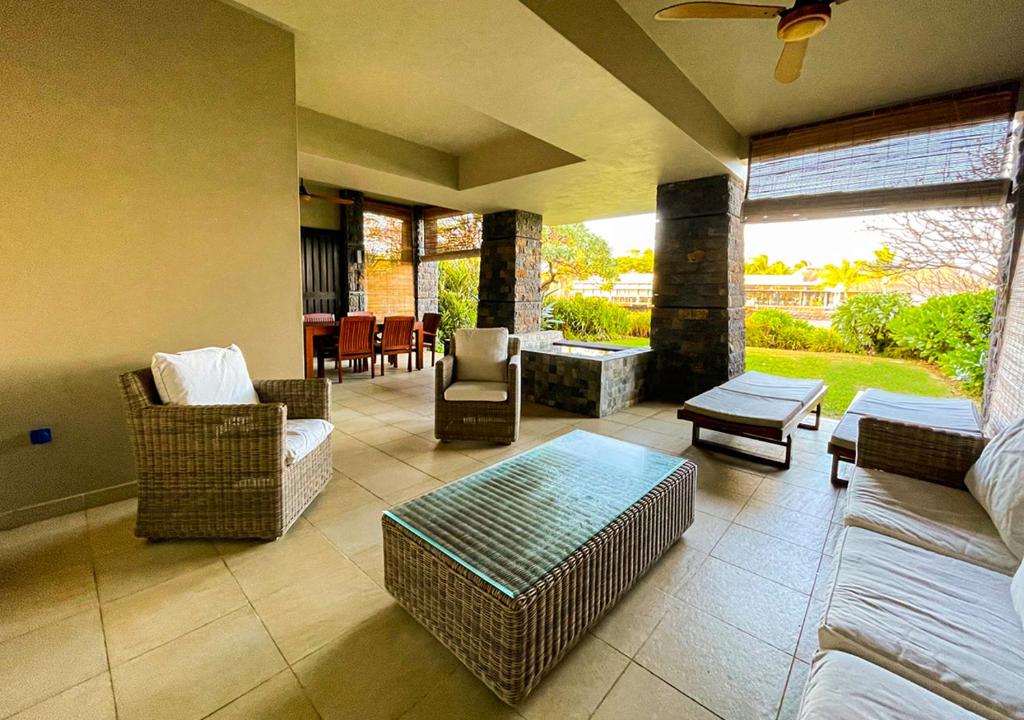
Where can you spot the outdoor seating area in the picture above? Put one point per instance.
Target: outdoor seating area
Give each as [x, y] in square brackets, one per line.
[234, 486]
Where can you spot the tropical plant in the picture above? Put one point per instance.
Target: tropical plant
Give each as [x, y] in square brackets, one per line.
[636, 261]
[778, 329]
[639, 323]
[571, 252]
[761, 265]
[591, 318]
[458, 283]
[863, 321]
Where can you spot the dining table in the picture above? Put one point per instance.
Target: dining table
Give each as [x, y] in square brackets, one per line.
[312, 330]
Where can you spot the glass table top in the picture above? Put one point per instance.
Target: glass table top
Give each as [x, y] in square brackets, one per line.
[513, 522]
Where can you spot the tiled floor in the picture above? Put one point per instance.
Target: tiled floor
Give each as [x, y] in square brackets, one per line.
[95, 623]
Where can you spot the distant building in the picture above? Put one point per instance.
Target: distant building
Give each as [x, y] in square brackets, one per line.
[634, 290]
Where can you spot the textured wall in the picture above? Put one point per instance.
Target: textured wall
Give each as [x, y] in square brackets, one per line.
[147, 202]
[510, 271]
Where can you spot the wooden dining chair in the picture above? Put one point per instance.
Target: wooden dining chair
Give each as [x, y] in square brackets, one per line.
[396, 339]
[431, 321]
[355, 341]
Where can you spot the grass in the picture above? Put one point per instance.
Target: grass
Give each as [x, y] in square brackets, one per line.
[845, 374]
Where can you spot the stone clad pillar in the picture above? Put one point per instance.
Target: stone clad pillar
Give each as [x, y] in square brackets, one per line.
[354, 259]
[697, 329]
[510, 271]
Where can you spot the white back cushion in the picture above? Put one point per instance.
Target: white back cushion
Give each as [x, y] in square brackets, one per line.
[209, 376]
[481, 354]
[997, 482]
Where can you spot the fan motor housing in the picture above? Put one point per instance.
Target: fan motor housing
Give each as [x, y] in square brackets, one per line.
[803, 22]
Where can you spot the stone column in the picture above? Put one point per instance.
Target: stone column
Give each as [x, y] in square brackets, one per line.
[697, 326]
[510, 271]
[354, 260]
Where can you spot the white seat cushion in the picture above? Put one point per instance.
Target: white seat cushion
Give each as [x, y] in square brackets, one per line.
[302, 437]
[774, 386]
[474, 391]
[934, 517]
[997, 481]
[481, 354]
[942, 623]
[1017, 591]
[721, 403]
[209, 376]
[954, 414]
[841, 686]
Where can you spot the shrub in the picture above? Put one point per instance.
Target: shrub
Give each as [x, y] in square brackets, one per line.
[457, 285]
[778, 329]
[591, 318]
[863, 321]
[640, 323]
[951, 331]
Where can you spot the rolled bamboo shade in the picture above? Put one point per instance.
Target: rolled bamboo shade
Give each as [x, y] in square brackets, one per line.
[957, 139]
[390, 281]
[449, 234]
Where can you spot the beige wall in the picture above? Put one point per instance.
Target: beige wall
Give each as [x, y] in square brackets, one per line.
[317, 213]
[147, 202]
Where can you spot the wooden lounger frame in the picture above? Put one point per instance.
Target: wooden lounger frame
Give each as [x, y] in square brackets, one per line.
[779, 436]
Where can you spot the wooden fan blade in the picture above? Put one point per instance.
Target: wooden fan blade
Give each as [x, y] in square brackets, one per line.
[326, 198]
[791, 62]
[717, 10]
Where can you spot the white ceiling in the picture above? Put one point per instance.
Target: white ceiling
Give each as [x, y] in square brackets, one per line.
[580, 111]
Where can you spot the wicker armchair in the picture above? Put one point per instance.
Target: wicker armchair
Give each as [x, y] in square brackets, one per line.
[916, 451]
[496, 422]
[219, 471]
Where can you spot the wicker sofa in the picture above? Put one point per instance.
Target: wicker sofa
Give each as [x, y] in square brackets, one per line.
[484, 411]
[220, 471]
[923, 617]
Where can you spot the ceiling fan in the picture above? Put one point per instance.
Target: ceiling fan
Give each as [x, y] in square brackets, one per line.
[797, 25]
[306, 195]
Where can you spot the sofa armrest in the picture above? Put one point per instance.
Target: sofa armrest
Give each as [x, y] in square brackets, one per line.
[917, 451]
[514, 377]
[305, 398]
[213, 441]
[444, 374]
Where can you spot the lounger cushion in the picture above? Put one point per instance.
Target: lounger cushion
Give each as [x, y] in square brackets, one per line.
[841, 686]
[720, 403]
[943, 413]
[481, 354]
[773, 386]
[302, 436]
[1017, 592]
[942, 623]
[934, 517]
[472, 391]
[997, 481]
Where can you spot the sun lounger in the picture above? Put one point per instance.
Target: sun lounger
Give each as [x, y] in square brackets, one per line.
[954, 414]
[756, 406]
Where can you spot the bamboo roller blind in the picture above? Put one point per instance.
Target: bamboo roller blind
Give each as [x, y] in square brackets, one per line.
[447, 233]
[954, 139]
[387, 236]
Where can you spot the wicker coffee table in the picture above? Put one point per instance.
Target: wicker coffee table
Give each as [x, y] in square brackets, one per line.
[510, 566]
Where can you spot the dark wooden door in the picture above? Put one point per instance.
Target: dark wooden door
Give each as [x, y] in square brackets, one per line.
[323, 281]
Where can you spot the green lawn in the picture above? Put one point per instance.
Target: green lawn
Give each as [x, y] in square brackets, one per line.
[844, 374]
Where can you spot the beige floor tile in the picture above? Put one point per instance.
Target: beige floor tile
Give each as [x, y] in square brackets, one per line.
[358, 426]
[91, 700]
[197, 673]
[142, 564]
[418, 426]
[141, 621]
[381, 436]
[306, 615]
[409, 445]
[634, 617]
[31, 602]
[676, 566]
[603, 426]
[765, 609]
[112, 527]
[390, 477]
[353, 530]
[823, 578]
[795, 527]
[706, 530]
[808, 644]
[578, 683]
[719, 501]
[39, 664]
[445, 466]
[672, 428]
[791, 565]
[279, 698]
[379, 669]
[722, 668]
[43, 547]
[819, 503]
[400, 496]
[794, 690]
[638, 694]
[360, 463]
[461, 696]
[371, 562]
[832, 540]
[262, 568]
[340, 495]
[804, 476]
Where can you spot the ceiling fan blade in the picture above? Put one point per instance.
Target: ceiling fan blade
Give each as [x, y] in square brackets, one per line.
[328, 198]
[791, 62]
[717, 10]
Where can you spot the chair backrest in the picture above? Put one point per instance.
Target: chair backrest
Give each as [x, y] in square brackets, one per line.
[356, 334]
[317, 319]
[481, 354]
[431, 321]
[397, 334]
[360, 313]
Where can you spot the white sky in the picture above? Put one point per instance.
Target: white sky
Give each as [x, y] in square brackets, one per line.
[819, 242]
